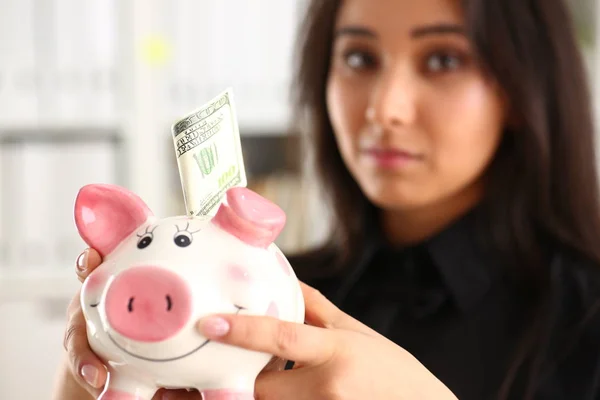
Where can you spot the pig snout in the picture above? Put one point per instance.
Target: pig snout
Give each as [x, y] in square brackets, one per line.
[148, 304]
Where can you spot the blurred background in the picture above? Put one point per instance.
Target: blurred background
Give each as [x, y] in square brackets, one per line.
[88, 92]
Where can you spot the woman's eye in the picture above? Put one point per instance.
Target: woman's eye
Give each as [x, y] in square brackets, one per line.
[359, 60]
[443, 62]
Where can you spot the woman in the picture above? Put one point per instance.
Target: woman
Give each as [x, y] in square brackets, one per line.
[456, 142]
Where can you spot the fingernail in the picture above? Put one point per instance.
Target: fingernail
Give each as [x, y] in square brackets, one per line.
[214, 326]
[90, 375]
[82, 261]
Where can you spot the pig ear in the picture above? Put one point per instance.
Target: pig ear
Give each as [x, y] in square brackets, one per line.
[107, 214]
[250, 217]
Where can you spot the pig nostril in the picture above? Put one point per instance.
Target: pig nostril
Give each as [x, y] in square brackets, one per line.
[130, 305]
[148, 304]
[169, 303]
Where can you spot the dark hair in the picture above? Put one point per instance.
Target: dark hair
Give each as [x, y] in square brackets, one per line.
[543, 184]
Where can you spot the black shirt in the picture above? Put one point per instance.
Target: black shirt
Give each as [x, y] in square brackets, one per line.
[452, 305]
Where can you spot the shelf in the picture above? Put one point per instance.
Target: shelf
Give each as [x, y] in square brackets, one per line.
[41, 284]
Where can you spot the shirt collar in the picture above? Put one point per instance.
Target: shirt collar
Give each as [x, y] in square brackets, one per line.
[465, 267]
[466, 270]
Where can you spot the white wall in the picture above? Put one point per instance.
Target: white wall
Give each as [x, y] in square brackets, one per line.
[105, 68]
[30, 348]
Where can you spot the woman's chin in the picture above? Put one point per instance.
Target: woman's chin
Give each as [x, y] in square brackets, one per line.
[388, 197]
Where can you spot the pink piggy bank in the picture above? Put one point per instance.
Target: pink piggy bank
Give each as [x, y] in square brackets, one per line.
[160, 276]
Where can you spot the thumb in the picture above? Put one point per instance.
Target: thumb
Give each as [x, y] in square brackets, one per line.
[323, 313]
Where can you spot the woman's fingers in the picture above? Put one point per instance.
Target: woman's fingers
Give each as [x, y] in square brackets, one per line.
[85, 365]
[305, 344]
[321, 312]
[86, 263]
[318, 309]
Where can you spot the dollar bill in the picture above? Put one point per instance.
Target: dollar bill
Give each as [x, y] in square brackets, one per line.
[209, 154]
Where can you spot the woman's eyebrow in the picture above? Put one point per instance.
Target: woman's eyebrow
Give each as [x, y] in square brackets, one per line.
[417, 32]
[438, 29]
[355, 30]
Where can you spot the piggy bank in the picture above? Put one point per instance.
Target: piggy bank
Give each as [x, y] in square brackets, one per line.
[159, 276]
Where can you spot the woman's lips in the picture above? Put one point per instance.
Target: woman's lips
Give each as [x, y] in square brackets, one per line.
[391, 158]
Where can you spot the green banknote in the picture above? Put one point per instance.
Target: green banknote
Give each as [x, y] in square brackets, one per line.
[209, 154]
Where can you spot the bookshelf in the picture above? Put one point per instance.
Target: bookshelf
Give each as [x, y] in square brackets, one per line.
[107, 78]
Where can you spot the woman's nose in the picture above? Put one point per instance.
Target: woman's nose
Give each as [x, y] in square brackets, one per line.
[392, 102]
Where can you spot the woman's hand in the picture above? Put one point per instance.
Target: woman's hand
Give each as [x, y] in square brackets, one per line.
[336, 356]
[86, 368]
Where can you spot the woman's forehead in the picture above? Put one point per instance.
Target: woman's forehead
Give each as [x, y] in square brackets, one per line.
[399, 15]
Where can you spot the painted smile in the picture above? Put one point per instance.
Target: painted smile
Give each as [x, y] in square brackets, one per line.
[175, 358]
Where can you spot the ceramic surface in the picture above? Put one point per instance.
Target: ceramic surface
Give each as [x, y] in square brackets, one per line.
[159, 276]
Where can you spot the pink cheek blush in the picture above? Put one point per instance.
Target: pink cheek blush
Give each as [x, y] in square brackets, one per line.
[273, 310]
[237, 273]
[95, 282]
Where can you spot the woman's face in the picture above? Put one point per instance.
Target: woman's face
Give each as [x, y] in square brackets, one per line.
[416, 121]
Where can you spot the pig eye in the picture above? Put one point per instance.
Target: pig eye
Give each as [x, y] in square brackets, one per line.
[183, 239]
[145, 241]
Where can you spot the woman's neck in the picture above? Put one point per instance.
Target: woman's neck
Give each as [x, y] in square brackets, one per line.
[405, 227]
